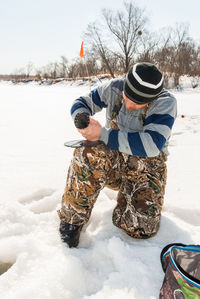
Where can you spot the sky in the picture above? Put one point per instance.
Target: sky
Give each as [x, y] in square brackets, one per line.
[41, 31]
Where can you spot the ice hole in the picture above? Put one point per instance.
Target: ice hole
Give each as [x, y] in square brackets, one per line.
[4, 267]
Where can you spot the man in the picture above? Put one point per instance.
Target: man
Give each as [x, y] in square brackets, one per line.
[129, 156]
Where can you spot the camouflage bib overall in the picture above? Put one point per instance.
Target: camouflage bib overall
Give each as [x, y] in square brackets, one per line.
[141, 183]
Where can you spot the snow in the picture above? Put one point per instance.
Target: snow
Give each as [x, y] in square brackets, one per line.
[34, 263]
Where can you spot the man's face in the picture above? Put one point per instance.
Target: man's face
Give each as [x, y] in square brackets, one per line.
[130, 105]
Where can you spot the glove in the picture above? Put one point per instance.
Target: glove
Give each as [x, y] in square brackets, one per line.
[82, 120]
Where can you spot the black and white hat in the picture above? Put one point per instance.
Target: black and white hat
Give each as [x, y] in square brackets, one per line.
[143, 83]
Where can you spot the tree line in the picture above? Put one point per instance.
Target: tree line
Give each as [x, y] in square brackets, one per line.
[121, 38]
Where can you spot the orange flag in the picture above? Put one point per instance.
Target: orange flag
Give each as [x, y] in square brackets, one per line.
[81, 51]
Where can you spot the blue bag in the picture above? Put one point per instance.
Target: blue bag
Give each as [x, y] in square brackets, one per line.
[181, 264]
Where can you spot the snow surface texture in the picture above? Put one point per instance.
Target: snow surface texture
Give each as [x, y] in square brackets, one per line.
[34, 263]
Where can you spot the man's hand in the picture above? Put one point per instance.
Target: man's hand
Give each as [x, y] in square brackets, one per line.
[93, 131]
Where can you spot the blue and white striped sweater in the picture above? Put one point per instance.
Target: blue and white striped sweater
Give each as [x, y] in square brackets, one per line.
[135, 137]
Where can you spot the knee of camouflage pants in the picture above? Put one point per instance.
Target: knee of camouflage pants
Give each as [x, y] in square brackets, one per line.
[140, 198]
[87, 175]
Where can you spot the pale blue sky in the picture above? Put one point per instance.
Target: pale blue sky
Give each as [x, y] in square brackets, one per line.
[41, 31]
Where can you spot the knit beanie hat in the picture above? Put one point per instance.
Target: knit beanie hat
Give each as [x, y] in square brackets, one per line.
[143, 83]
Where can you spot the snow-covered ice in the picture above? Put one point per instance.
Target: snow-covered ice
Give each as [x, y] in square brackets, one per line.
[34, 263]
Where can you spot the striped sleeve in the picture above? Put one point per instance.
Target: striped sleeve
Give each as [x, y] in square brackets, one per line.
[129, 143]
[97, 99]
[90, 104]
[150, 141]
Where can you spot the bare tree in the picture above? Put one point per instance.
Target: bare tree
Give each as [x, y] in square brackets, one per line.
[63, 67]
[77, 69]
[180, 54]
[121, 30]
[149, 44]
[72, 70]
[54, 70]
[19, 73]
[126, 28]
[38, 73]
[80, 68]
[29, 68]
[162, 55]
[176, 52]
[94, 38]
[196, 62]
[91, 64]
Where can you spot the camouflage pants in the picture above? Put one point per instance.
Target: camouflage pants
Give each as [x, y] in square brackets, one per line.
[140, 181]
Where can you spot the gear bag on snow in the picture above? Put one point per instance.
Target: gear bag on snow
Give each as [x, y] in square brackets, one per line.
[181, 264]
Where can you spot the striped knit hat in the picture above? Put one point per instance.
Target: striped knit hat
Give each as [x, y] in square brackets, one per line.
[143, 83]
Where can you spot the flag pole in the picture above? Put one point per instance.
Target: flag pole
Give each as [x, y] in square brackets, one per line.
[83, 57]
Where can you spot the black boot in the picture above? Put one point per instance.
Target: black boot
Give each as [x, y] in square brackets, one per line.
[70, 233]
